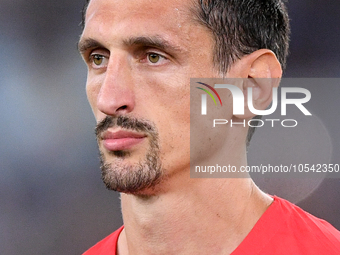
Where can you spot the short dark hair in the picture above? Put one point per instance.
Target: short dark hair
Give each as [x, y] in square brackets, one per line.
[241, 27]
[83, 13]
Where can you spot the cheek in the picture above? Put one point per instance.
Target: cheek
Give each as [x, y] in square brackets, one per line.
[92, 91]
[205, 139]
[175, 111]
[174, 130]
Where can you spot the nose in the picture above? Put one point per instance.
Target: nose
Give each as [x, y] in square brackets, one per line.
[116, 96]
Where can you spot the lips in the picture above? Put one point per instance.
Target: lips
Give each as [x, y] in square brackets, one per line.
[121, 140]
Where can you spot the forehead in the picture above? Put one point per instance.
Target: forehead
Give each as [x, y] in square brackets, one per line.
[142, 16]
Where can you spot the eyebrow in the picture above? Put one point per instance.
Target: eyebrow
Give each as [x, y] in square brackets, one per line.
[84, 45]
[152, 41]
[142, 41]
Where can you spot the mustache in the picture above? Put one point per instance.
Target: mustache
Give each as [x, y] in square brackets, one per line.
[124, 122]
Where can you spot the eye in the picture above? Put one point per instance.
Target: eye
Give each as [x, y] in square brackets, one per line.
[98, 60]
[154, 58]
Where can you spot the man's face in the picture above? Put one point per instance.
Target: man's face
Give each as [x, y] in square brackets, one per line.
[141, 55]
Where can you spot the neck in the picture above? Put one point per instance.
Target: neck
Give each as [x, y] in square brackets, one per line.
[176, 222]
[185, 211]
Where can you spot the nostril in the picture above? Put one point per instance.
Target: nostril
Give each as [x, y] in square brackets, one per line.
[122, 108]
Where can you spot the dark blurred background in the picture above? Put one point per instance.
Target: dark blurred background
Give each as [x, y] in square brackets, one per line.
[52, 200]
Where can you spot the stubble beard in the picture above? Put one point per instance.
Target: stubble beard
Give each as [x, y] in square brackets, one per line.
[128, 178]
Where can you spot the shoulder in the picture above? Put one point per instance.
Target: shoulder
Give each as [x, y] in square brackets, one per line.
[300, 219]
[287, 229]
[309, 234]
[106, 246]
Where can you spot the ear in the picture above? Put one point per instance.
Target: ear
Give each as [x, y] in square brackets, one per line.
[263, 72]
[264, 64]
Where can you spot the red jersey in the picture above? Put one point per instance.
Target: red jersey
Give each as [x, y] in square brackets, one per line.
[107, 246]
[283, 229]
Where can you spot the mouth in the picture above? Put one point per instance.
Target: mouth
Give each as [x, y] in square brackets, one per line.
[121, 140]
